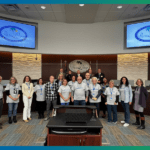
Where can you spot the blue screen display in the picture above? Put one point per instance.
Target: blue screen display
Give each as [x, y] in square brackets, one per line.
[138, 35]
[17, 34]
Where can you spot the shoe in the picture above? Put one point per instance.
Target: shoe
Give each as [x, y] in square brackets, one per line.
[104, 116]
[141, 127]
[126, 125]
[122, 121]
[26, 121]
[29, 118]
[47, 118]
[14, 119]
[115, 122]
[96, 116]
[10, 121]
[54, 113]
[136, 123]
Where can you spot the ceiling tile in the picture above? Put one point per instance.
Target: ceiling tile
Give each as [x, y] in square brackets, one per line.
[24, 9]
[99, 19]
[33, 15]
[17, 13]
[104, 7]
[60, 17]
[47, 16]
[114, 7]
[58, 7]
[101, 14]
[48, 7]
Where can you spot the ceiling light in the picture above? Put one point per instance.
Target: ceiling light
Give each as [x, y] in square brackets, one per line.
[119, 7]
[81, 5]
[43, 7]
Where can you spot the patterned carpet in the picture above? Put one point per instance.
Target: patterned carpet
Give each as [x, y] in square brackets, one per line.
[34, 132]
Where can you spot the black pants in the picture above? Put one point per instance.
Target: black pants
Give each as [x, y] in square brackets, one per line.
[1, 106]
[40, 107]
[103, 106]
[139, 113]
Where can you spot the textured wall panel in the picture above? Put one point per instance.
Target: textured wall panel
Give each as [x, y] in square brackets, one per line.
[26, 64]
[133, 66]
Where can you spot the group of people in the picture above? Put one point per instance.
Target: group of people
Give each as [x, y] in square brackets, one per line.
[73, 89]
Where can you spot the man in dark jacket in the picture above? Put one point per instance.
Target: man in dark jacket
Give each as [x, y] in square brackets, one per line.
[100, 76]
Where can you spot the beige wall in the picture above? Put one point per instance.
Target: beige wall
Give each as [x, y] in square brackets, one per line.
[26, 64]
[133, 66]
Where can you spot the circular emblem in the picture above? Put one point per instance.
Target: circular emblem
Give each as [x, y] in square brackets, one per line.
[143, 34]
[81, 65]
[13, 34]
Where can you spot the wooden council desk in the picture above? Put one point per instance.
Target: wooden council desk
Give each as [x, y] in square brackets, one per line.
[92, 136]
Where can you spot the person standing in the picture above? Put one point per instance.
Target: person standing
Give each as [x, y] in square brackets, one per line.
[100, 76]
[125, 98]
[102, 104]
[90, 72]
[1, 99]
[95, 94]
[61, 72]
[40, 97]
[79, 74]
[51, 89]
[13, 92]
[78, 92]
[65, 93]
[87, 79]
[27, 90]
[70, 83]
[112, 98]
[69, 76]
[140, 97]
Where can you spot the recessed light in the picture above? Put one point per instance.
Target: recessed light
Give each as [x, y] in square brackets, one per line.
[119, 7]
[81, 5]
[43, 7]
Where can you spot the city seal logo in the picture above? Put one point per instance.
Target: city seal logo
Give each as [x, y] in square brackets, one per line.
[143, 34]
[81, 65]
[13, 34]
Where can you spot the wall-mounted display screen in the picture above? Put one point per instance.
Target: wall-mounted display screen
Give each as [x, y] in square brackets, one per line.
[17, 34]
[138, 34]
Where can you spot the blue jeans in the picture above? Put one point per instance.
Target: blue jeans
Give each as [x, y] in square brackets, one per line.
[97, 106]
[12, 107]
[79, 102]
[112, 108]
[126, 108]
[65, 103]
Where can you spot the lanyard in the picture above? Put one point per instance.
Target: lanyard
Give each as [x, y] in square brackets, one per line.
[59, 83]
[28, 85]
[52, 86]
[111, 91]
[94, 87]
[88, 82]
[41, 88]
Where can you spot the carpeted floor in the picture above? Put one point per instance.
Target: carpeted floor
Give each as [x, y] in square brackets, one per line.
[34, 132]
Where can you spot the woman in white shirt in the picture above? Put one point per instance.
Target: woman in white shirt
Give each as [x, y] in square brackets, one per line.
[112, 98]
[40, 98]
[65, 93]
[95, 94]
[27, 90]
[13, 92]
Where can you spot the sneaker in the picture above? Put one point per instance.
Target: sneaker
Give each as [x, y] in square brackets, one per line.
[126, 125]
[54, 113]
[122, 121]
[115, 122]
[47, 118]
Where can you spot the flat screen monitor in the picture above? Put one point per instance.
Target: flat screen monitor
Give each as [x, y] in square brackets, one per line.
[15, 34]
[137, 35]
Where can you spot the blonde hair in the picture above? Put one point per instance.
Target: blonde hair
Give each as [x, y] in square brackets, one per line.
[14, 78]
[60, 75]
[94, 78]
[111, 81]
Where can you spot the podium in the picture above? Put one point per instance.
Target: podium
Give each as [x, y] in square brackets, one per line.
[62, 132]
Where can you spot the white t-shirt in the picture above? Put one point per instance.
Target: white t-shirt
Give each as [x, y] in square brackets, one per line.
[14, 91]
[111, 95]
[40, 92]
[94, 91]
[79, 91]
[87, 82]
[70, 83]
[1, 91]
[65, 91]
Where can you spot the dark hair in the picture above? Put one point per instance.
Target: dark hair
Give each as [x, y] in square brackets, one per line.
[24, 80]
[127, 81]
[64, 80]
[39, 80]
